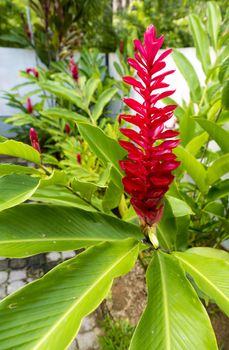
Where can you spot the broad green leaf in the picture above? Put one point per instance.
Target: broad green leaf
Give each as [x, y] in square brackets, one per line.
[210, 252]
[106, 149]
[189, 74]
[7, 168]
[90, 87]
[66, 93]
[112, 196]
[213, 21]
[174, 318]
[187, 126]
[179, 207]
[196, 143]
[216, 133]
[47, 313]
[84, 188]
[103, 100]
[193, 167]
[57, 194]
[63, 113]
[218, 168]
[15, 189]
[201, 41]
[211, 274]
[215, 208]
[44, 228]
[172, 230]
[21, 150]
[218, 191]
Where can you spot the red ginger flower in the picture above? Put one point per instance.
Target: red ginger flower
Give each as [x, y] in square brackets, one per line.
[150, 159]
[78, 158]
[74, 69]
[34, 71]
[67, 128]
[29, 105]
[34, 139]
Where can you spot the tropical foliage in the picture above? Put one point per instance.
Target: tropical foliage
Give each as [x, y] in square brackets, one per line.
[74, 199]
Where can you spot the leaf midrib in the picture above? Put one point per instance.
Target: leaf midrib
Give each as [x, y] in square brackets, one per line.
[166, 308]
[81, 298]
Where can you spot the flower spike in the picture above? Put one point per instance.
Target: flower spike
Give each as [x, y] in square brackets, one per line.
[148, 169]
[34, 139]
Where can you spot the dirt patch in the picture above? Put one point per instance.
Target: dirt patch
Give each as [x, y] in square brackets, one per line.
[129, 299]
[128, 295]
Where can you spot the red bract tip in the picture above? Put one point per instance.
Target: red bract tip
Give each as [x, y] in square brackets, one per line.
[78, 158]
[29, 105]
[34, 140]
[34, 71]
[150, 159]
[74, 69]
[67, 128]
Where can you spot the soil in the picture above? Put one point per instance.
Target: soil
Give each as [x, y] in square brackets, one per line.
[129, 299]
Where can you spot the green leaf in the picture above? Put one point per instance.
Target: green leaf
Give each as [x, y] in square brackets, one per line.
[196, 143]
[179, 207]
[201, 41]
[63, 92]
[214, 21]
[103, 100]
[210, 252]
[210, 273]
[16, 189]
[218, 168]
[225, 96]
[47, 313]
[189, 74]
[90, 87]
[194, 168]
[63, 113]
[84, 188]
[105, 148]
[112, 196]
[21, 150]
[174, 317]
[57, 194]
[7, 168]
[45, 228]
[218, 191]
[217, 133]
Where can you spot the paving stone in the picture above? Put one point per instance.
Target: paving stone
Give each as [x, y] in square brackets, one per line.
[36, 261]
[17, 263]
[68, 255]
[3, 276]
[87, 341]
[17, 275]
[2, 291]
[87, 324]
[54, 256]
[13, 286]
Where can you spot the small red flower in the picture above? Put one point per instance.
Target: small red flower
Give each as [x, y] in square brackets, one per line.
[29, 105]
[150, 160]
[78, 158]
[34, 71]
[34, 139]
[67, 128]
[74, 69]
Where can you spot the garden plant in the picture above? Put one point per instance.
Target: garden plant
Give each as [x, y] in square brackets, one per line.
[174, 200]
